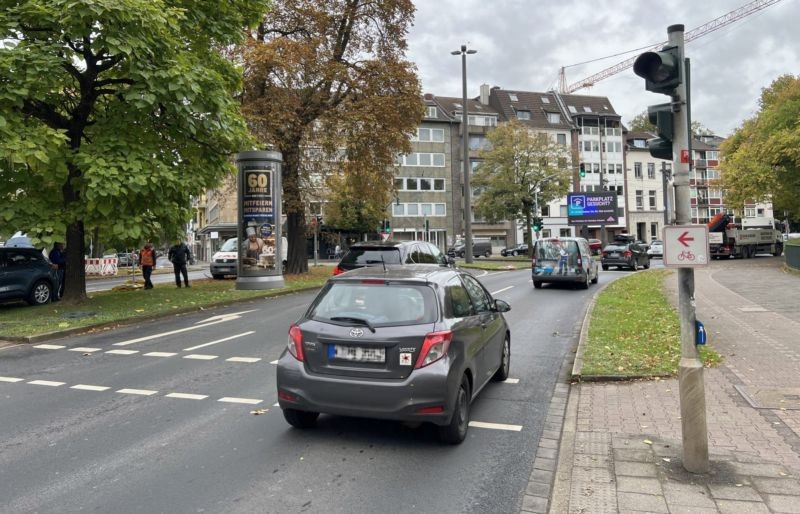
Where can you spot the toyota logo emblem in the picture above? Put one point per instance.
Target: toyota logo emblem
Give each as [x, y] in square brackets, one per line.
[356, 332]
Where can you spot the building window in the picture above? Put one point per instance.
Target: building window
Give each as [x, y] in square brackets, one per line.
[439, 209]
[412, 209]
[429, 135]
[430, 112]
[438, 184]
[483, 121]
[651, 170]
[595, 146]
[639, 200]
[562, 211]
[619, 169]
[553, 117]
[749, 212]
[545, 233]
[546, 210]
[412, 184]
[545, 100]
[637, 170]
[513, 97]
[595, 168]
[587, 146]
[477, 142]
[399, 184]
[427, 209]
[424, 184]
[523, 115]
[654, 231]
[572, 109]
[419, 184]
[652, 200]
[561, 139]
[423, 159]
[419, 209]
[712, 155]
[565, 232]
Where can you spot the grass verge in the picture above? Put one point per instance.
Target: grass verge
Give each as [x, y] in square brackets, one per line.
[634, 331]
[21, 320]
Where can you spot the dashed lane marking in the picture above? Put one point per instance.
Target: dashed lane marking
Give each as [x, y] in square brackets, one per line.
[511, 381]
[274, 362]
[46, 383]
[200, 357]
[248, 401]
[160, 354]
[85, 350]
[86, 387]
[495, 426]
[187, 396]
[243, 359]
[122, 352]
[277, 405]
[49, 346]
[11, 379]
[501, 290]
[225, 316]
[219, 341]
[141, 392]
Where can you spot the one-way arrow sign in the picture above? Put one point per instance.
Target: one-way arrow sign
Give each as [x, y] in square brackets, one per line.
[683, 238]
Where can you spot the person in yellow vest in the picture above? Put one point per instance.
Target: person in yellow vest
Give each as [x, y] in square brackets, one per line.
[147, 260]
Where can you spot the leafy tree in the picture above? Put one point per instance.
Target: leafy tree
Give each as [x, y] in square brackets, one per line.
[332, 76]
[112, 113]
[761, 160]
[641, 123]
[521, 171]
[349, 209]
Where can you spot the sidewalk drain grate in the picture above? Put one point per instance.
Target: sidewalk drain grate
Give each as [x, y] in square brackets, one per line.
[787, 398]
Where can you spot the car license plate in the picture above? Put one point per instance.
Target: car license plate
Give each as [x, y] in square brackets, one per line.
[359, 353]
[613, 254]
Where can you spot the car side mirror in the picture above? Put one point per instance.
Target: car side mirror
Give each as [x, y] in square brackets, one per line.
[501, 306]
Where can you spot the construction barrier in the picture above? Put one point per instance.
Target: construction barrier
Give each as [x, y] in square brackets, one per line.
[101, 266]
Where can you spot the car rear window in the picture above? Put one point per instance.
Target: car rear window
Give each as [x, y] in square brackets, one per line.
[381, 304]
[365, 256]
[550, 249]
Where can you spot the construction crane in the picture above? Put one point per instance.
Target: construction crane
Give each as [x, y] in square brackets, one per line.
[702, 30]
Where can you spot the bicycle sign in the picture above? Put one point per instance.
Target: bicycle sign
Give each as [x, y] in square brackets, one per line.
[685, 246]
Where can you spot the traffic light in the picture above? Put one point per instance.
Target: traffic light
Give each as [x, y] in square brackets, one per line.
[537, 224]
[660, 70]
[661, 116]
[582, 167]
[387, 226]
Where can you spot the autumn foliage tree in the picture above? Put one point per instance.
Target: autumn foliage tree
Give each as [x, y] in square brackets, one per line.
[332, 76]
[761, 160]
[113, 113]
[522, 170]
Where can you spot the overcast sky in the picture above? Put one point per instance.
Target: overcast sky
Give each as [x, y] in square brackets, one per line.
[522, 44]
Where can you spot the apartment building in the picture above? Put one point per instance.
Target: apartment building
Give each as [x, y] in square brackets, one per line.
[648, 183]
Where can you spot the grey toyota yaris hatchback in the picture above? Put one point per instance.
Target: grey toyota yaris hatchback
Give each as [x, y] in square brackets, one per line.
[416, 343]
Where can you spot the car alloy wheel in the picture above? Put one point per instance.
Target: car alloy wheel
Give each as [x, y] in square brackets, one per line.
[41, 292]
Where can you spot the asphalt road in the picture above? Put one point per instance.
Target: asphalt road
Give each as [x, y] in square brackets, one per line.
[178, 416]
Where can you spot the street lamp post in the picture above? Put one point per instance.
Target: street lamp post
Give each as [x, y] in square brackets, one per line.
[464, 134]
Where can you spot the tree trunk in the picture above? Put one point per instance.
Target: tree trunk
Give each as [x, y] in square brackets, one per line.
[297, 260]
[75, 274]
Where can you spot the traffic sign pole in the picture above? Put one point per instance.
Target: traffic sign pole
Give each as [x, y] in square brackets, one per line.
[690, 369]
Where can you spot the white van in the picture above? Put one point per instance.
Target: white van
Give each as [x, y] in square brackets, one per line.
[224, 262]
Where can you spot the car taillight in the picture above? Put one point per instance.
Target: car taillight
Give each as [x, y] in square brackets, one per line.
[337, 270]
[605, 254]
[295, 343]
[627, 253]
[434, 348]
[580, 261]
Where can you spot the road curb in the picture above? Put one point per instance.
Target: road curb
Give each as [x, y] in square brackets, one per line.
[143, 319]
[577, 364]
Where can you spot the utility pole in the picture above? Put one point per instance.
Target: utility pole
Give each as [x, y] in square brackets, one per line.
[465, 147]
[667, 72]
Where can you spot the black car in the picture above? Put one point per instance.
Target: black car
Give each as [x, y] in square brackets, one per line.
[26, 274]
[625, 255]
[390, 253]
[408, 343]
[520, 249]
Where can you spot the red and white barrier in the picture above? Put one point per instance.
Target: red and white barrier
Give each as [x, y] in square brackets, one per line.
[101, 266]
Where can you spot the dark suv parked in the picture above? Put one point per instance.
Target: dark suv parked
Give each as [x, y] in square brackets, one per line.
[624, 254]
[379, 253]
[26, 274]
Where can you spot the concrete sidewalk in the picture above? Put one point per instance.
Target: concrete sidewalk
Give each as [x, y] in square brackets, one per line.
[620, 446]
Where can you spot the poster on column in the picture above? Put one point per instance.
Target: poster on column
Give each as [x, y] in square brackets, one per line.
[258, 217]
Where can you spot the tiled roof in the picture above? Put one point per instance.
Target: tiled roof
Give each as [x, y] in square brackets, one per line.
[588, 105]
[539, 105]
[452, 105]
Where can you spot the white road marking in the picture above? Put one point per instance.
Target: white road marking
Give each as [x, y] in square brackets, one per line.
[277, 405]
[511, 381]
[218, 317]
[249, 401]
[173, 332]
[495, 426]
[219, 341]
[11, 379]
[244, 359]
[85, 350]
[46, 383]
[50, 346]
[142, 392]
[187, 396]
[501, 290]
[160, 354]
[200, 357]
[122, 352]
[84, 387]
[274, 362]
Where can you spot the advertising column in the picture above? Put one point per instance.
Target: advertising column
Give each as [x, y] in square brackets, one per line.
[261, 246]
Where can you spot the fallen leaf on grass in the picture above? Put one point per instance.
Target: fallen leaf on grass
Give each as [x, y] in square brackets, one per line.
[139, 310]
[647, 441]
[63, 325]
[666, 459]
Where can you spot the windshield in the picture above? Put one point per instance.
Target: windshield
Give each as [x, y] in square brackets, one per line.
[379, 304]
[364, 256]
[229, 246]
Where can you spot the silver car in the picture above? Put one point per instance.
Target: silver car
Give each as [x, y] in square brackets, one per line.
[415, 344]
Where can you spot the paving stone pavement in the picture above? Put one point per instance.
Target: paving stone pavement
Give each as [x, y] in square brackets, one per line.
[620, 444]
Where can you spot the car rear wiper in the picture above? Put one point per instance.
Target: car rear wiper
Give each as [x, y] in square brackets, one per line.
[362, 321]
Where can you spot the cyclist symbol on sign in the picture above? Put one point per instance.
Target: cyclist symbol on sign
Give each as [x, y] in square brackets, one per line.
[686, 255]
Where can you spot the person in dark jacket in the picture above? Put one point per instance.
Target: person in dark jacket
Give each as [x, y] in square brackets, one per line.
[59, 262]
[179, 255]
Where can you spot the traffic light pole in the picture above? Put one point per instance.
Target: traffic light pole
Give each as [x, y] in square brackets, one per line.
[690, 369]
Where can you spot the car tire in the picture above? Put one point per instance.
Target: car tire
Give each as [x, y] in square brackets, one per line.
[456, 431]
[487, 253]
[41, 293]
[596, 278]
[505, 362]
[647, 264]
[461, 255]
[605, 267]
[585, 283]
[537, 284]
[300, 418]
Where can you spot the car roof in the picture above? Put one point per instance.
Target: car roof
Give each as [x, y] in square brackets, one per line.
[552, 239]
[411, 273]
[382, 244]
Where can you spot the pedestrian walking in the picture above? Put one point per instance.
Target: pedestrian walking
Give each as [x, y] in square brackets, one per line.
[179, 255]
[147, 260]
[59, 262]
[337, 252]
